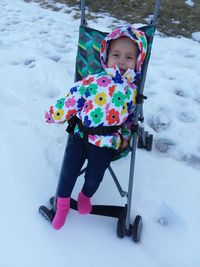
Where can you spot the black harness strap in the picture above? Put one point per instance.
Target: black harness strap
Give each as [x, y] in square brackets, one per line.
[99, 130]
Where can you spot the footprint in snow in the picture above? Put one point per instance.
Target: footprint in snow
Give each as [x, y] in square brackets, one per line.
[180, 93]
[30, 63]
[193, 160]
[159, 123]
[197, 100]
[186, 117]
[54, 58]
[163, 145]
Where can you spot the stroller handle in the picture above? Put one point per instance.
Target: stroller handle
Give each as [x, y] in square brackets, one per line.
[153, 22]
[83, 20]
[156, 12]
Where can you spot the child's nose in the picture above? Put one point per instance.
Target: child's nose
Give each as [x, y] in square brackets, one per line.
[121, 63]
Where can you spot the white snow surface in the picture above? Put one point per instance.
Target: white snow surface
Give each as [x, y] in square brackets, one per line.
[37, 61]
[190, 3]
[196, 36]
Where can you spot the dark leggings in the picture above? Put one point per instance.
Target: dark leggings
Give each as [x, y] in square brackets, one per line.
[77, 151]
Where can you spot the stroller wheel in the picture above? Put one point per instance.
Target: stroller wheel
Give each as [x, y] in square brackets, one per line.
[121, 228]
[137, 229]
[149, 142]
[46, 213]
[140, 144]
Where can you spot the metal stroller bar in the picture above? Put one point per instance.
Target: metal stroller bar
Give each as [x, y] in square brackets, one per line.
[156, 11]
[83, 20]
[139, 111]
[121, 191]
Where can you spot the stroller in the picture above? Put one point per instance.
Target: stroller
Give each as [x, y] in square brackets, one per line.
[87, 62]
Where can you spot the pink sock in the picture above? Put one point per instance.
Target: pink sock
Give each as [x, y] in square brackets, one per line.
[62, 209]
[84, 204]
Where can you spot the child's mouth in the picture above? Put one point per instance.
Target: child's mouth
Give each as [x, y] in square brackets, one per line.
[122, 71]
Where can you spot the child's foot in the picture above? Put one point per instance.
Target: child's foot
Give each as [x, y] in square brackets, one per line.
[62, 209]
[84, 204]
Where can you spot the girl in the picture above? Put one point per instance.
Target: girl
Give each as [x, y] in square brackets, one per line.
[101, 107]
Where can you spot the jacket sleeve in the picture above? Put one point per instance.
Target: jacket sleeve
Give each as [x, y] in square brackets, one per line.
[68, 106]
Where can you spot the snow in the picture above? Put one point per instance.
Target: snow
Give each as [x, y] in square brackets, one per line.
[189, 3]
[37, 59]
[196, 36]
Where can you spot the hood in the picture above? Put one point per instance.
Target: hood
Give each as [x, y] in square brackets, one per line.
[138, 38]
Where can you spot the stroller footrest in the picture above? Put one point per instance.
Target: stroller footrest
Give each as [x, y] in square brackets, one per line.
[103, 210]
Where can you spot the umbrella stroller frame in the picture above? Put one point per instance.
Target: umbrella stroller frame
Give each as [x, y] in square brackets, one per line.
[141, 139]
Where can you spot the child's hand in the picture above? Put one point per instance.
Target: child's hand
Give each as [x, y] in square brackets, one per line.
[49, 118]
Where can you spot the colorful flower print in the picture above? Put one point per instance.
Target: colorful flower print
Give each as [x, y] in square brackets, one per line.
[80, 102]
[73, 90]
[87, 93]
[103, 46]
[134, 96]
[130, 106]
[92, 89]
[127, 92]
[113, 142]
[77, 132]
[110, 73]
[51, 110]
[118, 99]
[117, 78]
[97, 115]
[82, 90]
[70, 102]
[92, 137]
[114, 34]
[124, 109]
[70, 114]
[88, 81]
[100, 99]
[111, 90]
[58, 115]
[101, 74]
[87, 122]
[98, 142]
[87, 106]
[49, 118]
[112, 117]
[107, 107]
[103, 81]
[125, 131]
[133, 34]
[144, 43]
[60, 103]
[142, 57]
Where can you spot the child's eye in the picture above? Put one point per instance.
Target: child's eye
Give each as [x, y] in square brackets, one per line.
[115, 55]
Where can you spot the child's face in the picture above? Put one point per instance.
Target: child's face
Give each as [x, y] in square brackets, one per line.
[123, 53]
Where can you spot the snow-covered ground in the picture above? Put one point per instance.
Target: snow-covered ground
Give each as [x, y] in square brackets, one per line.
[37, 60]
[189, 3]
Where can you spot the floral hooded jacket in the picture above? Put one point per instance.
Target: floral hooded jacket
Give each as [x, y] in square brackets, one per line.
[106, 98]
